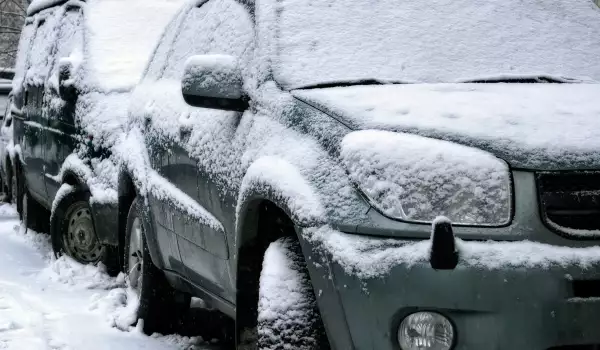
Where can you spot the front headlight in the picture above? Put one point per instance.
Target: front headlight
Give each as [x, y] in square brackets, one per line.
[416, 179]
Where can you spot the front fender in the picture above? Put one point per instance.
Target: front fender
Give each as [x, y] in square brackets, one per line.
[289, 187]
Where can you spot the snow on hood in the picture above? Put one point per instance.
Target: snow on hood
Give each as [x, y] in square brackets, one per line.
[532, 126]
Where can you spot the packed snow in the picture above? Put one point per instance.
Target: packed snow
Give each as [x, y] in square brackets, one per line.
[286, 303]
[539, 126]
[49, 303]
[433, 41]
[415, 178]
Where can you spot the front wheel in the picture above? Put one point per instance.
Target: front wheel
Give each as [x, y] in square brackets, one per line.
[159, 305]
[73, 233]
[288, 315]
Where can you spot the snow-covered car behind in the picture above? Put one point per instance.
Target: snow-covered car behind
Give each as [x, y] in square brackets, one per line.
[6, 139]
[406, 174]
[76, 64]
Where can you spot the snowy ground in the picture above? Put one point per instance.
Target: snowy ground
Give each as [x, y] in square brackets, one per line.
[48, 303]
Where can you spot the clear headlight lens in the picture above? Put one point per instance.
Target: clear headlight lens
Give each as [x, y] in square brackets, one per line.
[425, 331]
[415, 178]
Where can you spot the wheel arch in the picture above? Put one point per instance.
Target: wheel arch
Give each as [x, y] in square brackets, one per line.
[127, 193]
[71, 178]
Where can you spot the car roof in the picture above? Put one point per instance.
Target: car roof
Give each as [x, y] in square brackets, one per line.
[40, 5]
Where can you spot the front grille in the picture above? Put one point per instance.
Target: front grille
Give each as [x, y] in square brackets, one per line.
[570, 203]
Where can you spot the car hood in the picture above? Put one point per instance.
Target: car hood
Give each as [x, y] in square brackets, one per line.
[531, 126]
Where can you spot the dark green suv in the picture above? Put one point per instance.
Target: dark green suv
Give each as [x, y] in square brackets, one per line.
[402, 174]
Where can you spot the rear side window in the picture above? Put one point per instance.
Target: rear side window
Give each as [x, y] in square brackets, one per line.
[41, 50]
[69, 40]
[217, 26]
[22, 61]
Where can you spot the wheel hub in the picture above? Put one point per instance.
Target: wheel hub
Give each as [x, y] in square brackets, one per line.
[80, 240]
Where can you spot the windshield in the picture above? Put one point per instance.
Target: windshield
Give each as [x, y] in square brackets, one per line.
[316, 42]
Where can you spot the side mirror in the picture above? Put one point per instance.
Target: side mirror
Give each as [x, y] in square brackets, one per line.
[66, 86]
[214, 81]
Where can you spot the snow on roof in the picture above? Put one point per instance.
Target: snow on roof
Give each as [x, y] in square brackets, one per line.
[430, 41]
[122, 36]
[38, 5]
[544, 126]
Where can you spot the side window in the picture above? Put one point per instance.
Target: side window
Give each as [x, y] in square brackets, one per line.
[217, 26]
[69, 40]
[21, 64]
[159, 57]
[41, 51]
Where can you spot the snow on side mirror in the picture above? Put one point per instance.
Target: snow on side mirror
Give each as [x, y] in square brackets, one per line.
[66, 86]
[214, 81]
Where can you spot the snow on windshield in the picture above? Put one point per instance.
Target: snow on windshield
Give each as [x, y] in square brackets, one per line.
[430, 41]
[123, 34]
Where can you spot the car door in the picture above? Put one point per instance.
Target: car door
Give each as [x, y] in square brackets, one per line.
[221, 27]
[60, 137]
[32, 144]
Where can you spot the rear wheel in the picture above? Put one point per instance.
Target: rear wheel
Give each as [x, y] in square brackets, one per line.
[160, 306]
[73, 233]
[288, 315]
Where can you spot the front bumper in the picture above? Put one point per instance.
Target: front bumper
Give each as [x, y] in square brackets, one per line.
[529, 302]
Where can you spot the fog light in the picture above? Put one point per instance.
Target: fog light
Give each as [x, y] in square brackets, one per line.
[426, 331]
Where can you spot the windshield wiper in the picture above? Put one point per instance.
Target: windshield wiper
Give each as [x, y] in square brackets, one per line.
[524, 79]
[352, 83]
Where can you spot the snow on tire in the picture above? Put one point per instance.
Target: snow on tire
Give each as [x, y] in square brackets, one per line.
[288, 316]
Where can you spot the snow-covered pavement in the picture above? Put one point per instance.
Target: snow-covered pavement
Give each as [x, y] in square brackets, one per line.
[48, 303]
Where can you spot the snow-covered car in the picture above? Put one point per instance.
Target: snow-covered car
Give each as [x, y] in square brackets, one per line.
[6, 183]
[76, 64]
[402, 174]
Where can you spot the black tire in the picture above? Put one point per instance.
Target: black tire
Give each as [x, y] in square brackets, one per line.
[34, 216]
[161, 307]
[73, 233]
[288, 316]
